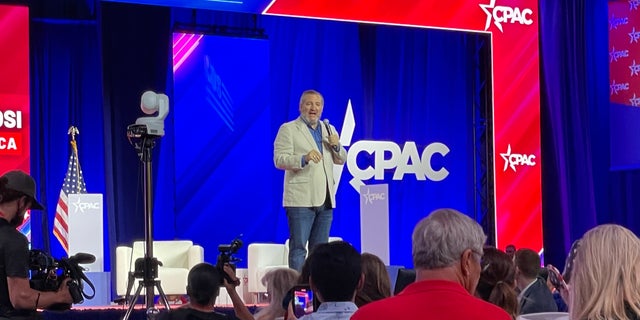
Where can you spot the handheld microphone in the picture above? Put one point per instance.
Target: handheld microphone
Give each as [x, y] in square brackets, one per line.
[326, 125]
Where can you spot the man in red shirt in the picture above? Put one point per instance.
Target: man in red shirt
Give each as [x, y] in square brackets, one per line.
[447, 248]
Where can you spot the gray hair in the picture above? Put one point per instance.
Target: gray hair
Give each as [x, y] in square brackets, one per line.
[439, 240]
[310, 92]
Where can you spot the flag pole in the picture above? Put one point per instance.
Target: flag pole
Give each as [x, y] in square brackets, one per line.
[73, 131]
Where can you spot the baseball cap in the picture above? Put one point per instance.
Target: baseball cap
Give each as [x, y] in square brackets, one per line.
[20, 181]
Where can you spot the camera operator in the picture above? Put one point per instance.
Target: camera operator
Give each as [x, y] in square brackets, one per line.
[203, 287]
[17, 299]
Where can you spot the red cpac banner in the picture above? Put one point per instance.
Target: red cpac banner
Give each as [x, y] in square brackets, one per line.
[512, 27]
[14, 88]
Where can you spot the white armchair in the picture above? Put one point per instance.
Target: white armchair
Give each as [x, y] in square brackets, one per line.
[263, 257]
[177, 258]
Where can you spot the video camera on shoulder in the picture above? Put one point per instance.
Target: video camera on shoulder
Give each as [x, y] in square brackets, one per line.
[47, 274]
[226, 257]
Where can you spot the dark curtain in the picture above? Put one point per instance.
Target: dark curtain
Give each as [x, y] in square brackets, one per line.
[66, 88]
[135, 55]
[575, 121]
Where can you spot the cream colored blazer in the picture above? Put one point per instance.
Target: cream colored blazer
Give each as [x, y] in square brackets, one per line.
[305, 186]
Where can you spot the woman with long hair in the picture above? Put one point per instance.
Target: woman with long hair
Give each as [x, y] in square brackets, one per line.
[278, 282]
[377, 284]
[497, 281]
[605, 280]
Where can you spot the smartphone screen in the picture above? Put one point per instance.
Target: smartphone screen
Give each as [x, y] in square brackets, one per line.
[302, 301]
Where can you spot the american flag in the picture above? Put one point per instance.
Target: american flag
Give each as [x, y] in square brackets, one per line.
[73, 183]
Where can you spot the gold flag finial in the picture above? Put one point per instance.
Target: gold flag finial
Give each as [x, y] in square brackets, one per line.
[73, 131]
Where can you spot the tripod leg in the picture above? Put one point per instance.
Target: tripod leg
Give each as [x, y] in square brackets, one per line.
[132, 302]
[162, 295]
[130, 280]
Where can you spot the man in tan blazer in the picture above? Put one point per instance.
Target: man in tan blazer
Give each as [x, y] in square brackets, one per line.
[306, 149]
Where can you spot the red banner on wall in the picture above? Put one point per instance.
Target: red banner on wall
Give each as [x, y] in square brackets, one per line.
[14, 88]
[624, 52]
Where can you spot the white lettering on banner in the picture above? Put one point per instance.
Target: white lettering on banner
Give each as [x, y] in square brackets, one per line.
[615, 22]
[511, 160]
[504, 14]
[11, 119]
[634, 35]
[371, 197]
[615, 87]
[615, 55]
[85, 205]
[405, 161]
[8, 144]
[635, 101]
[635, 68]
[633, 4]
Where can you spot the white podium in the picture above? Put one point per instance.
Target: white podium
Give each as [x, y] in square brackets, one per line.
[374, 220]
[86, 228]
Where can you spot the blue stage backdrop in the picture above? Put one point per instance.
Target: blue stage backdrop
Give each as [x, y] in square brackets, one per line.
[409, 90]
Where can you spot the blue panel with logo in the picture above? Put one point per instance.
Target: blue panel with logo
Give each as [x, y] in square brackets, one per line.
[400, 98]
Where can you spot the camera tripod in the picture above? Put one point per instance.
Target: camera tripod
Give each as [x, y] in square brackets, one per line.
[146, 268]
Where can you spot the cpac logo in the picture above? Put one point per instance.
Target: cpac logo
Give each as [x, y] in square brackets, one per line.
[511, 160]
[614, 22]
[504, 14]
[86, 206]
[369, 197]
[615, 87]
[403, 161]
[635, 101]
[11, 119]
[635, 68]
[633, 4]
[615, 55]
[634, 36]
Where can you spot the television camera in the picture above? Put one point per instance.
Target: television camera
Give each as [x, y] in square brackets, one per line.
[47, 274]
[226, 257]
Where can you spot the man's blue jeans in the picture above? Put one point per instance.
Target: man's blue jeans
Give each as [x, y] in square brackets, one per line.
[307, 224]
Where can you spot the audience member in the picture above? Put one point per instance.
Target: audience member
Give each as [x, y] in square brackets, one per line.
[562, 306]
[377, 284]
[510, 250]
[278, 282]
[447, 248]
[534, 294]
[203, 287]
[605, 280]
[336, 276]
[498, 281]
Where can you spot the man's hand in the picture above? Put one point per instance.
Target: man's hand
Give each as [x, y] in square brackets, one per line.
[63, 291]
[314, 156]
[334, 140]
[229, 271]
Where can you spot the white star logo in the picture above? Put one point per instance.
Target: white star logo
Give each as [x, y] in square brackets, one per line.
[485, 8]
[346, 135]
[635, 68]
[635, 101]
[506, 156]
[78, 206]
[634, 35]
